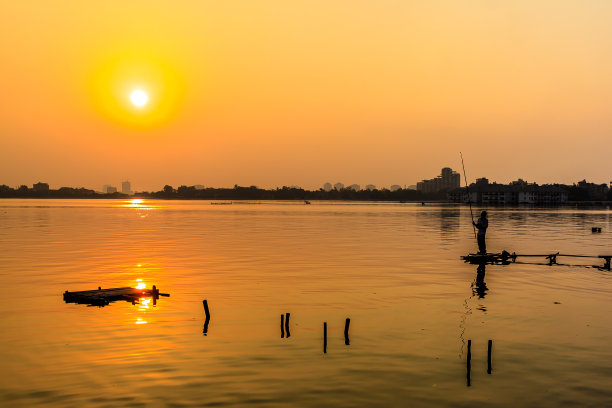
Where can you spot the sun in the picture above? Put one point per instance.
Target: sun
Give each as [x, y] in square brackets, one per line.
[137, 91]
[139, 98]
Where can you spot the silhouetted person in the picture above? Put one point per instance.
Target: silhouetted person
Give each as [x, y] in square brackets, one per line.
[482, 225]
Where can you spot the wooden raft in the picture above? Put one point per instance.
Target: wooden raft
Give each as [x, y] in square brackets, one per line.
[505, 257]
[102, 297]
[493, 258]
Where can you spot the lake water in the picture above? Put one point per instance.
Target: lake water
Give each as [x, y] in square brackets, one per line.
[393, 269]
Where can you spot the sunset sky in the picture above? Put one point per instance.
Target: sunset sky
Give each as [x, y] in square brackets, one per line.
[273, 93]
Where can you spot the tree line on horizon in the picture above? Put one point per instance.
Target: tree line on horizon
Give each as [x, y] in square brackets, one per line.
[41, 190]
[236, 193]
[292, 193]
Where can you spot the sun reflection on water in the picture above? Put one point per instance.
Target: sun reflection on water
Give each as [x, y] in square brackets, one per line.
[144, 303]
[140, 284]
[141, 205]
[135, 203]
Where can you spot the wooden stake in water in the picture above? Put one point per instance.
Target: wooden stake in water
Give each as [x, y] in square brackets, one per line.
[207, 312]
[324, 337]
[346, 331]
[282, 326]
[287, 324]
[489, 357]
[469, 361]
[205, 303]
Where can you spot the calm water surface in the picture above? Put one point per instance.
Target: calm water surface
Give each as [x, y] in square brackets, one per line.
[393, 269]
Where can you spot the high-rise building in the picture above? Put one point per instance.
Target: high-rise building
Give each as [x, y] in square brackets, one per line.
[108, 189]
[40, 187]
[126, 187]
[448, 180]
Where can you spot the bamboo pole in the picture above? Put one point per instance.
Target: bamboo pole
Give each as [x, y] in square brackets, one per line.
[469, 196]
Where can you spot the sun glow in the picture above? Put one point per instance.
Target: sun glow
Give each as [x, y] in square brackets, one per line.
[138, 91]
[139, 98]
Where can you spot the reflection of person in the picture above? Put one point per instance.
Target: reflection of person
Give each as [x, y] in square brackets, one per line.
[482, 225]
[480, 287]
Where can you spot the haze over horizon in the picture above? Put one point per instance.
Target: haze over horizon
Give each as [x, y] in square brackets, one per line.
[302, 93]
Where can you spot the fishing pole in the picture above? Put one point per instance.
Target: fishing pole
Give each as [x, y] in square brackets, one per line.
[467, 187]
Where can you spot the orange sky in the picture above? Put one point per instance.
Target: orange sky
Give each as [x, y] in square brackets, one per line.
[273, 93]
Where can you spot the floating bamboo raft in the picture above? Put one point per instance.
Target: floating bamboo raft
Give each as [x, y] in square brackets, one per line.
[102, 297]
[493, 258]
[504, 258]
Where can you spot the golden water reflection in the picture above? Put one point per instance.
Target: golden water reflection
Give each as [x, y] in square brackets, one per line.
[136, 203]
[141, 206]
[322, 263]
[140, 284]
[144, 303]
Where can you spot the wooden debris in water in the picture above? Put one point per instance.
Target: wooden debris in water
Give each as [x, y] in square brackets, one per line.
[102, 297]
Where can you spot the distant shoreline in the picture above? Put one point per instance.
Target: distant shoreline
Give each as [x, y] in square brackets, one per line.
[577, 195]
[236, 193]
[116, 196]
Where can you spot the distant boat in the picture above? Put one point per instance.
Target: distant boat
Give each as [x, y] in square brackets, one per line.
[215, 203]
[306, 202]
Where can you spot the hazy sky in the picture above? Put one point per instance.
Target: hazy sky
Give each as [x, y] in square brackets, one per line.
[273, 93]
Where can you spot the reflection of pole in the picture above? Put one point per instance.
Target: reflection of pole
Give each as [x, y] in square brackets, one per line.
[469, 196]
[324, 337]
[346, 330]
[469, 361]
[207, 312]
[489, 357]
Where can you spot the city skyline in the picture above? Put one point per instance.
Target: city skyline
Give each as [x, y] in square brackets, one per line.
[412, 183]
[126, 186]
[443, 188]
[367, 93]
[447, 180]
